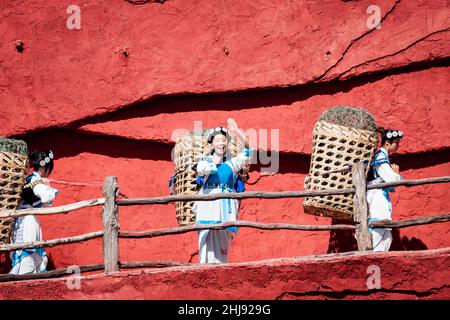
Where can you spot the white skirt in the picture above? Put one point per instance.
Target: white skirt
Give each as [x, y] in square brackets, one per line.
[27, 229]
[381, 239]
[214, 244]
[216, 211]
[33, 263]
[380, 207]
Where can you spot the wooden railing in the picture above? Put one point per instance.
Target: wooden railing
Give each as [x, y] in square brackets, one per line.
[111, 233]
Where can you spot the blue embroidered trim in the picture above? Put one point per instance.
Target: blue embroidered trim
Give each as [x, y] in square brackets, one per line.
[230, 164]
[248, 152]
[377, 163]
[379, 158]
[226, 209]
[208, 221]
[17, 258]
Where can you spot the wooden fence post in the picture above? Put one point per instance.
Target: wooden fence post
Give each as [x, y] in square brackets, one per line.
[360, 210]
[111, 225]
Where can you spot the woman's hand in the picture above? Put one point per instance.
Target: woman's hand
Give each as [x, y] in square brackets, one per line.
[395, 168]
[233, 127]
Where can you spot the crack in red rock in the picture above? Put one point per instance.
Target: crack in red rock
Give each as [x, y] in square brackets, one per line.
[340, 76]
[97, 118]
[348, 292]
[193, 255]
[353, 42]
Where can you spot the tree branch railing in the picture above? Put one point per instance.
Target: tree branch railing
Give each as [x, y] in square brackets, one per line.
[284, 226]
[51, 243]
[242, 195]
[233, 195]
[437, 218]
[52, 210]
[111, 233]
[221, 226]
[50, 274]
[274, 195]
[70, 271]
[410, 183]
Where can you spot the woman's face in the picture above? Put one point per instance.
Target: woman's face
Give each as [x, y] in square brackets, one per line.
[393, 147]
[43, 172]
[219, 144]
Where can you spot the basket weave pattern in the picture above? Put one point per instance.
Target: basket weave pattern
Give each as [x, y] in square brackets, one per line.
[13, 167]
[189, 149]
[334, 147]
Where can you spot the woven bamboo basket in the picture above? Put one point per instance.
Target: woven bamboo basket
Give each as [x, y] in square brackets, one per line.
[343, 136]
[13, 170]
[188, 150]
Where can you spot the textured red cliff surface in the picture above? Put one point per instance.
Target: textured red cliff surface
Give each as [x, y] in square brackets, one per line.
[197, 47]
[268, 66]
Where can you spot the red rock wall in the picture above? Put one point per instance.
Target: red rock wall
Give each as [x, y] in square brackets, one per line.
[268, 66]
[402, 276]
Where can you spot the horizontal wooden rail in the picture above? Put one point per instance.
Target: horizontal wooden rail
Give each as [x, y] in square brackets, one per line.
[221, 226]
[152, 264]
[49, 274]
[52, 210]
[243, 195]
[410, 183]
[410, 222]
[274, 195]
[51, 243]
[89, 268]
[234, 195]
[283, 226]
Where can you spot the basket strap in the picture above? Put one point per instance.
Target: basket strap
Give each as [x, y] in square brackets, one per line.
[32, 184]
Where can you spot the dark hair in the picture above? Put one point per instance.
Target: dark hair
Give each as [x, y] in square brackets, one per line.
[389, 134]
[216, 131]
[38, 160]
[41, 159]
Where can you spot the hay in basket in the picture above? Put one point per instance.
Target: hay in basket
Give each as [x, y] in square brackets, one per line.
[13, 170]
[343, 136]
[189, 149]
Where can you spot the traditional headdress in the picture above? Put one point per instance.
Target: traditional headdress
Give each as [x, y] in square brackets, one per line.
[49, 157]
[393, 134]
[219, 130]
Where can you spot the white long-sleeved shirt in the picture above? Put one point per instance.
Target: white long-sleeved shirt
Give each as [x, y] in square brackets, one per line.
[206, 166]
[384, 171]
[27, 228]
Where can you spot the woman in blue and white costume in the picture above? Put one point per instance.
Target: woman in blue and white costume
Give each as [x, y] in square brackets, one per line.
[381, 170]
[219, 172]
[37, 193]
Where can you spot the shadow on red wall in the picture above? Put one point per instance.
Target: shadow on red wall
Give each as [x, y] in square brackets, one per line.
[344, 241]
[5, 262]
[406, 244]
